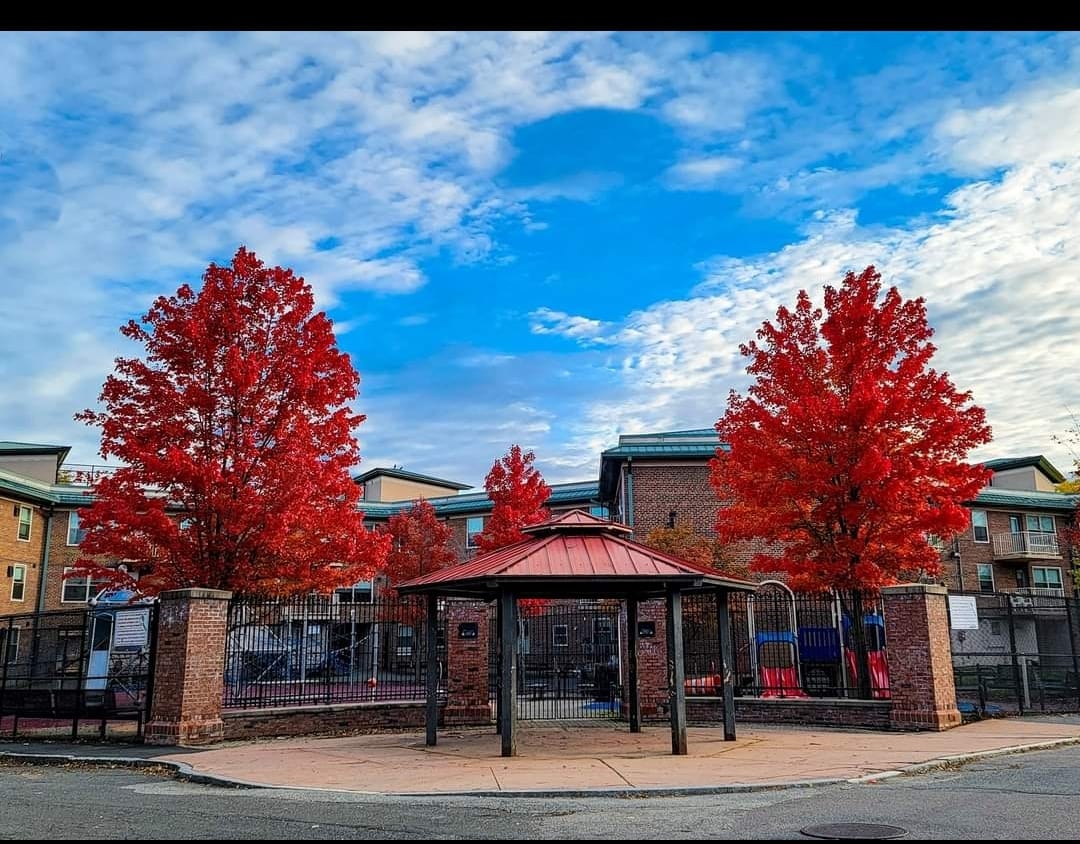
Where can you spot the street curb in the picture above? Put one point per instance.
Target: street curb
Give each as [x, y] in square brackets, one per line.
[185, 773]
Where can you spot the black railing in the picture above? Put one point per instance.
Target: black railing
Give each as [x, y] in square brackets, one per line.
[75, 665]
[312, 649]
[789, 645]
[1015, 653]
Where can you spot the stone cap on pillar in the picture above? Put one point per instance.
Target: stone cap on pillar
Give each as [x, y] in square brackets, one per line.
[192, 593]
[914, 589]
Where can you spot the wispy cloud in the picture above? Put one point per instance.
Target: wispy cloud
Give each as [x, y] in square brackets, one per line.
[582, 329]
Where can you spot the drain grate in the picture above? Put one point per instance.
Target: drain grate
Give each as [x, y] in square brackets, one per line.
[866, 831]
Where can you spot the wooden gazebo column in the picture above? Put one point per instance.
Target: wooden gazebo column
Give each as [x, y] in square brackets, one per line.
[727, 662]
[676, 671]
[633, 695]
[508, 658]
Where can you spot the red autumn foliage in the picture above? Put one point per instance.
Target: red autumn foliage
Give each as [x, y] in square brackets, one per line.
[421, 543]
[237, 443]
[848, 449]
[518, 492]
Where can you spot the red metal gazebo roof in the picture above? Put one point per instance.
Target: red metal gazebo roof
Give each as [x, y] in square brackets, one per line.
[573, 554]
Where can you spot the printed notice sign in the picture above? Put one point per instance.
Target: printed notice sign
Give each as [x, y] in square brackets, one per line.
[132, 629]
[963, 613]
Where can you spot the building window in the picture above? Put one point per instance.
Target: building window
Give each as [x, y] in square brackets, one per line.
[986, 577]
[473, 527]
[598, 510]
[1046, 577]
[1040, 524]
[26, 519]
[9, 644]
[18, 583]
[560, 635]
[79, 590]
[75, 533]
[980, 528]
[935, 542]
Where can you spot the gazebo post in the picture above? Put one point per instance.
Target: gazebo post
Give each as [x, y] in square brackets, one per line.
[676, 671]
[432, 668]
[498, 666]
[723, 630]
[632, 667]
[508, 687]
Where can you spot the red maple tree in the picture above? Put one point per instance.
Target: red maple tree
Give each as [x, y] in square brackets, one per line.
[237, 443]
[518, 492]
[421, 543]
[848, 449]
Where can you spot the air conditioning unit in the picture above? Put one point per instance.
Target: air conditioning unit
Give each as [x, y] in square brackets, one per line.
[1021, 601]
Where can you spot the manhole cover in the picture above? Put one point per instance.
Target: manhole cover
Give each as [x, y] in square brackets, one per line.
[872, 831]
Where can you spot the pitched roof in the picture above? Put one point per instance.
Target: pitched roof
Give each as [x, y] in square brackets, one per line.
[409, 476]
[1002, 464]
[7, 447]
[579, 492]
[573, 553]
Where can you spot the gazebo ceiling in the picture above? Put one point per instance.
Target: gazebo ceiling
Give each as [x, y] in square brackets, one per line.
[574, 554]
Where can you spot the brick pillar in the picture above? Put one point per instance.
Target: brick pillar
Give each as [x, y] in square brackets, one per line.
[920, 658]
[468, 697]
[652, 661]
[189, 667]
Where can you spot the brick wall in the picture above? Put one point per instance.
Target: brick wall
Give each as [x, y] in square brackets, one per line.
[973, 553]
[326, 720]
[468, 696]
[823, 712]
[920, 658]
[14, 551]
[188, 667]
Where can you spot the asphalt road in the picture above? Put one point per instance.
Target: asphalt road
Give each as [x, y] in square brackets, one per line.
[1032, 795]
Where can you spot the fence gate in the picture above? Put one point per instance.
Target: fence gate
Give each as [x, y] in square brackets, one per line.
[93, 663]
[1022, 656]
[569, 660]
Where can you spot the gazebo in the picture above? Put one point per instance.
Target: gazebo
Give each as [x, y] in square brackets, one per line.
[577, 555]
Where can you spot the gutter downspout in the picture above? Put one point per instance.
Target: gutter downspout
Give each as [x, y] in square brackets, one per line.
[43, 579]
[630, 494]
[959, 564]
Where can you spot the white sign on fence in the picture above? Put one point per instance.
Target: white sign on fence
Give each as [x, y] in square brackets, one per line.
[132, 629]
[963, 612]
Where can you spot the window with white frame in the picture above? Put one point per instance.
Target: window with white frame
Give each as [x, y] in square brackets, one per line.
[26, 521]
[79, 590]
[1039, 524]
[980, 528]
[1046, 577]
[75, 533]
[560, 635]
[986, 577]
[18, 583]
[474, 526]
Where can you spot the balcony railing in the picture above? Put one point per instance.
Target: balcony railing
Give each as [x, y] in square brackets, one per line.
[83, 474]
[1041, 591]
[1025, 544]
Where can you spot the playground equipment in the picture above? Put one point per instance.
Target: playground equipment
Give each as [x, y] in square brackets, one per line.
[874, 634]
[775, 652]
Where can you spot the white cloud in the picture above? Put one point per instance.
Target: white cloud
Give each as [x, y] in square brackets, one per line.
[701, 173]
[582, 329]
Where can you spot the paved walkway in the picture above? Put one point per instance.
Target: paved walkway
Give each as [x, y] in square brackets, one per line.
[603, 757]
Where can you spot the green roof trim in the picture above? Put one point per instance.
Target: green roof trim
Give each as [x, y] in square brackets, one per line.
[409, 476]
[577, 492]
[993, 496]
[1002, 464]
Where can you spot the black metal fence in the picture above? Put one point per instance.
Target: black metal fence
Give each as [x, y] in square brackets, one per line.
[76, 665]
[314, 649]
[789, 645]
[1015, 653]
[569, 660]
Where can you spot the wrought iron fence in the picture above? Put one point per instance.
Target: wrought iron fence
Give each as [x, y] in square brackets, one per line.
[315, 649]
[569, 660]
[75, 665]
[789, 645]
[1017, 653]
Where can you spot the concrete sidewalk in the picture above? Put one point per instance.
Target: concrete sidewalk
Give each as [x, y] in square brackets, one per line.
[596, 758]
[606, 757]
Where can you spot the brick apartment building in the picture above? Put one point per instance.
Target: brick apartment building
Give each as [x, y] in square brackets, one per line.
[1016, 542]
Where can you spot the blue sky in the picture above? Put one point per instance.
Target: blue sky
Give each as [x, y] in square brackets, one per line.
[544, 238]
